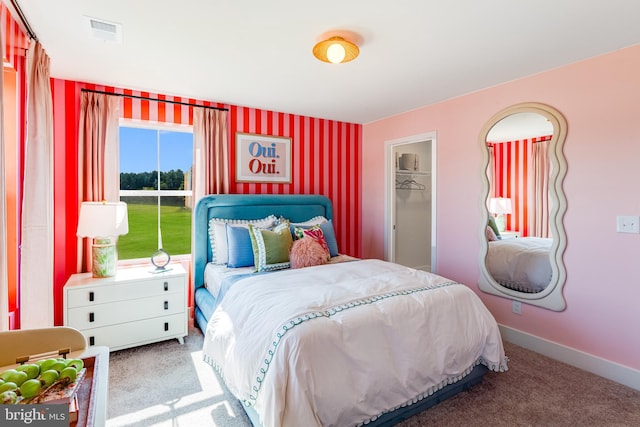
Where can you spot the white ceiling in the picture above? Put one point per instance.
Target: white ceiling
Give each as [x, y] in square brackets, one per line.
[257, 53]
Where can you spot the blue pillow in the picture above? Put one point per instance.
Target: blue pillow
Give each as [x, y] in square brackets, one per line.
[330, 237]
[239, 247]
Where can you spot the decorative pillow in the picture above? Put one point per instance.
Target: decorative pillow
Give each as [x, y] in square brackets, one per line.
[491, 236]
[329, 236]
[494, 226]
[314, 233]
[306, 252]
[316, 220]
[240, 250]
[218, 234]
[271, 247]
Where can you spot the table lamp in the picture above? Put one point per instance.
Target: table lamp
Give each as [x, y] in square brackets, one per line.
[103, 221]
[500, 206]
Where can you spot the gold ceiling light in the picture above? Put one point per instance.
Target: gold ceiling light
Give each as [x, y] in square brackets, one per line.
[335, 50]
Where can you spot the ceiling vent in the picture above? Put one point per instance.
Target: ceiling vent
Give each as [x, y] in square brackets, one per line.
[104, 30]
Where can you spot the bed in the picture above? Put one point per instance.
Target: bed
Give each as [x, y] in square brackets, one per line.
[522, 263]
[350, 342]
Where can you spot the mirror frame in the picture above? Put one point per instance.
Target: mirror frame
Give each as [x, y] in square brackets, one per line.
[551, 297]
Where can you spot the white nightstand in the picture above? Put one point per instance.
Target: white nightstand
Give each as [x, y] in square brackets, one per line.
[132, 308]
[509, 234]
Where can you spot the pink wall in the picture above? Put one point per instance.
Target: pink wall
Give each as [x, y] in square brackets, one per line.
[600, 99]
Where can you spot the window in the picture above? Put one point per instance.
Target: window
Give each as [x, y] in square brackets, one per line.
[155, 182]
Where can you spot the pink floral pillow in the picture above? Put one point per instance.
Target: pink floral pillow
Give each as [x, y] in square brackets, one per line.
[314, 233]
[306, 252]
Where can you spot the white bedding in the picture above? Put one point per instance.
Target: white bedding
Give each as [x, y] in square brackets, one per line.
[522, 263]
[341, 344]
[214, 274]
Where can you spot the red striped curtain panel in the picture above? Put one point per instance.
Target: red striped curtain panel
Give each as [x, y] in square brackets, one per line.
[519, 170]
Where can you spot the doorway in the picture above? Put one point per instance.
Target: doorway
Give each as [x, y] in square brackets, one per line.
[410, 213]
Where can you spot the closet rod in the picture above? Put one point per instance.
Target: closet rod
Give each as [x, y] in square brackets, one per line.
[146, 98]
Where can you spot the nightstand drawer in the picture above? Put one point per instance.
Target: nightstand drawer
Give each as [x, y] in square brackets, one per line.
[133, 334]
[84, 296]
[125, 311]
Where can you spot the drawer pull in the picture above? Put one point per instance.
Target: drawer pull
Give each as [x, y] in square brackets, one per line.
[91, 296]
[166, 326]
[166, 305]
[166, 286]
[92, 341]
[91, 317]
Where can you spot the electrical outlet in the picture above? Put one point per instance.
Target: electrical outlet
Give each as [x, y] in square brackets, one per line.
[516, 307]
[628, 224]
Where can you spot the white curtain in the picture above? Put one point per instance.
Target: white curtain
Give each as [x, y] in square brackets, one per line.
[210, 174]
[36, 266]
[539, 190]
[210, 153]
[98, 158]
[491, 172]
[4, 286]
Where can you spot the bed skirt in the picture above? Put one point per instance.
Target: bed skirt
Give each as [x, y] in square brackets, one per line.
[392, 418]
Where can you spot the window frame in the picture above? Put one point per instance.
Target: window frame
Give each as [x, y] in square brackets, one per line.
[156, 126]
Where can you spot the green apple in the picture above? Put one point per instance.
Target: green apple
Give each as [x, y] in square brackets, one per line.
[46, 364]
[58, 366]
[17, 377]
[6, 373]
[76, 363]
[68, 374]
[7, 386]
[30, 388]
[8, 397]
[49, 377]
[31, 369]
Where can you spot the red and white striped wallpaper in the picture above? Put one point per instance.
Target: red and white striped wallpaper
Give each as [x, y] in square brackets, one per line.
[326, 159]
[14, 47]
[14, 40]
[511, 178]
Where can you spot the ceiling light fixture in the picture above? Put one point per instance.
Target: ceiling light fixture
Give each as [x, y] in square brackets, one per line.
[335, 50]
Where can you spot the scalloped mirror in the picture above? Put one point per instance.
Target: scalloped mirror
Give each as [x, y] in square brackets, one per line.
[523, 205]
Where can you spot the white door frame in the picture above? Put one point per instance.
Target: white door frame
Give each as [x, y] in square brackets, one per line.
[390, 193]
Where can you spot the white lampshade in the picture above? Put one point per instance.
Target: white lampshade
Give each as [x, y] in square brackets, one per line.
[500, 205]
[103, 219]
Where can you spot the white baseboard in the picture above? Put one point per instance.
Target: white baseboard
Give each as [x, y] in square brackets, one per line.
[596, 365]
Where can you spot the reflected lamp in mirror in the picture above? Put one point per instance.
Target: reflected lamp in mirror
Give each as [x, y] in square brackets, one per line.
[500, 206]
[103, 222]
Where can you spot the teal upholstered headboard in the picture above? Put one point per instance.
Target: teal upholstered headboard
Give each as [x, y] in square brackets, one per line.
[295, 207]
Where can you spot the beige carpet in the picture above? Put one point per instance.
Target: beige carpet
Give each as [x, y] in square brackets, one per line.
[168, 384]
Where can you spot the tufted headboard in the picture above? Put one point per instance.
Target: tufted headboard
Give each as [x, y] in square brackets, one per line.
[295, 207]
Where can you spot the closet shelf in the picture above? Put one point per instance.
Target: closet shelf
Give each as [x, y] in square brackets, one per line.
[408, 172]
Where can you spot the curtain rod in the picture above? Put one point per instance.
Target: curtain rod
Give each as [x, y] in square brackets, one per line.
[146, 98]
[23, 18]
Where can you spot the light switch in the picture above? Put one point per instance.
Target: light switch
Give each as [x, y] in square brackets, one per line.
[628, 224]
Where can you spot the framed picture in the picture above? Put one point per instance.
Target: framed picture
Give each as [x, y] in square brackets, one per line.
[263, 158]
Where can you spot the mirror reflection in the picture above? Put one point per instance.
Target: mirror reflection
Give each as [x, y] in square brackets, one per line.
[518, 235]
[523, 205]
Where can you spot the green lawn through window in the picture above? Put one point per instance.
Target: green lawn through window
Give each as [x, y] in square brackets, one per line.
[142, 239]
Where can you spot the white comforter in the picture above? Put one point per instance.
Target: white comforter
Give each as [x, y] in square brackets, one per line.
[522, 263]
[338, 345]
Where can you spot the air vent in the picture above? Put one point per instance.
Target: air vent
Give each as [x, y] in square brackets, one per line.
[104, 30]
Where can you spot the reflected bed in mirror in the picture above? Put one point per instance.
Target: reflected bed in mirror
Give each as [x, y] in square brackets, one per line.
[523, 204]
